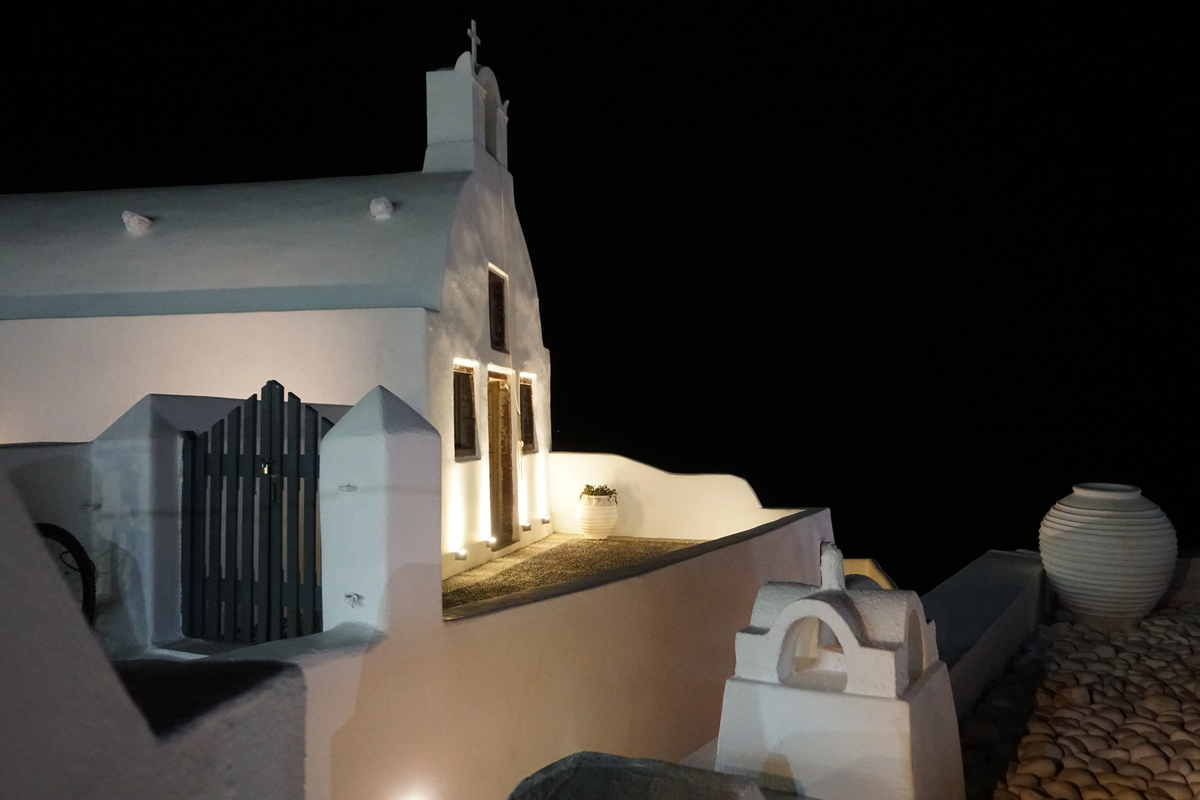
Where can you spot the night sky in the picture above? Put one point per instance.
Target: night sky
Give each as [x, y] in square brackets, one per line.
[926, 270]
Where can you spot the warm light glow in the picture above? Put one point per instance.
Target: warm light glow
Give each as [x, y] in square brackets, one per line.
[454, 507]
[415, 796]
[501, 370]
[528, 376]
[497, 270]
[461, 555]
[541, 481]
[466, 362]
[522, 503]
[484, 522]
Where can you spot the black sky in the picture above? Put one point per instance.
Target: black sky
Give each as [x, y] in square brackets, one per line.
[927, 270]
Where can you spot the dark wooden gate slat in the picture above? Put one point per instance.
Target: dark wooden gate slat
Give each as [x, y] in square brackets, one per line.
[273, 394]
[319, 620]
[291, 474]
[229, 543]
[246, 468]
[212, 623]
[186, 511]
[199, 526]
[262, 546]
[308, 474]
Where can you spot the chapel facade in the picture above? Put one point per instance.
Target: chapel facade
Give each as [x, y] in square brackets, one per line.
[418, 282]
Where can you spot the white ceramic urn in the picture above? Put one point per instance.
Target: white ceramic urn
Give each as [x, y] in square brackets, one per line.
[596, 515]
[1109, 553]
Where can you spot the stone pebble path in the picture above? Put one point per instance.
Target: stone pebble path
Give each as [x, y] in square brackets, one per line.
[1090, 715]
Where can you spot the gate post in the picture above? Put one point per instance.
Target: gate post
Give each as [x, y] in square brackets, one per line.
[380, 512]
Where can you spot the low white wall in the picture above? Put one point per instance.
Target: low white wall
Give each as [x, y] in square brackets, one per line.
[63, 713]
[137, 468]
[54, 482]
[655, 503]
[71, 732]
[120, 496]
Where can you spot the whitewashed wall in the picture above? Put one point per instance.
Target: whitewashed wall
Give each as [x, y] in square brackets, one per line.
[54, 482]
[102, 366]
[71, 732]
[486, 231]
[380, 495]
[655, 503]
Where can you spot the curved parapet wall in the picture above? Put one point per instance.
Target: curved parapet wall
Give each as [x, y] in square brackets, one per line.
[654, 503]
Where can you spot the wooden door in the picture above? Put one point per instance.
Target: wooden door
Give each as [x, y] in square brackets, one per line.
[502, 461]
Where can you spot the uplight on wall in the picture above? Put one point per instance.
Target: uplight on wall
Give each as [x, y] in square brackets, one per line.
[523, 505]
[541, 468]
[453, 507]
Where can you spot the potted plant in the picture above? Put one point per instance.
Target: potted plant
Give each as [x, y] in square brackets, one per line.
[596, 512]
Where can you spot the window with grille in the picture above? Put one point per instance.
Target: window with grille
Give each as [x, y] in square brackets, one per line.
[466, 444]
[497, 313]
[528, 430]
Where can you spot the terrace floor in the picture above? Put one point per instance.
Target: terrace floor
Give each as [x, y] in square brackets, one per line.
[557, 558]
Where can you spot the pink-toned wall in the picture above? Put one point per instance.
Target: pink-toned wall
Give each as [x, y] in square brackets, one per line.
[466, 709]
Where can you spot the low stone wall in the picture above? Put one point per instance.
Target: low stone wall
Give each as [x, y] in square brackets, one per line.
[983, 613]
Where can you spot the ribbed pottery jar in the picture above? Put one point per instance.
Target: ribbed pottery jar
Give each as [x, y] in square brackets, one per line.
[596, 515]
[1109, 553]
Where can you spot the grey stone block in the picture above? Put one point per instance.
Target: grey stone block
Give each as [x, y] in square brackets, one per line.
[600, 776]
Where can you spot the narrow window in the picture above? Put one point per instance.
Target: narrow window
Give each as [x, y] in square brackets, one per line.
[465, 442]
[491, 103]
[497, 315]
[528, 431]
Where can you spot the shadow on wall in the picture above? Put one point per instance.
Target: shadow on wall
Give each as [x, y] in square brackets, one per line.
[54, 483]
[119, 600]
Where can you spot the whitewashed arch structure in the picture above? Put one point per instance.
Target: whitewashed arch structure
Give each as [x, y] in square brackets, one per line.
[839, 693]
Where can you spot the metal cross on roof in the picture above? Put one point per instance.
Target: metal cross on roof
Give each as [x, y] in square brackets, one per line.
[475, 42]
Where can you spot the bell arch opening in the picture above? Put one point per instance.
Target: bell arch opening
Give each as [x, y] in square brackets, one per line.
[916, 647]
[491, 108]
[812, 657]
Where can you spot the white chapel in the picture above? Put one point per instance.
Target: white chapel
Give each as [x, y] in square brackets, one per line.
[418, 282]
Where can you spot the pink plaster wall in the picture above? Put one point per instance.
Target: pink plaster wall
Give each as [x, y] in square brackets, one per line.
[466, 709]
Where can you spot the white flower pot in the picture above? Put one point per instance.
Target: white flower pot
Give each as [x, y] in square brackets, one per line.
[1109, 553]
[596, 515]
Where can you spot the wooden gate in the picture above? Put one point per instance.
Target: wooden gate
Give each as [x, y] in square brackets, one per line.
[251, 544]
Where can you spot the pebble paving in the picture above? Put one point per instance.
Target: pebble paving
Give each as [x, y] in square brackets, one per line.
[1083, 714]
